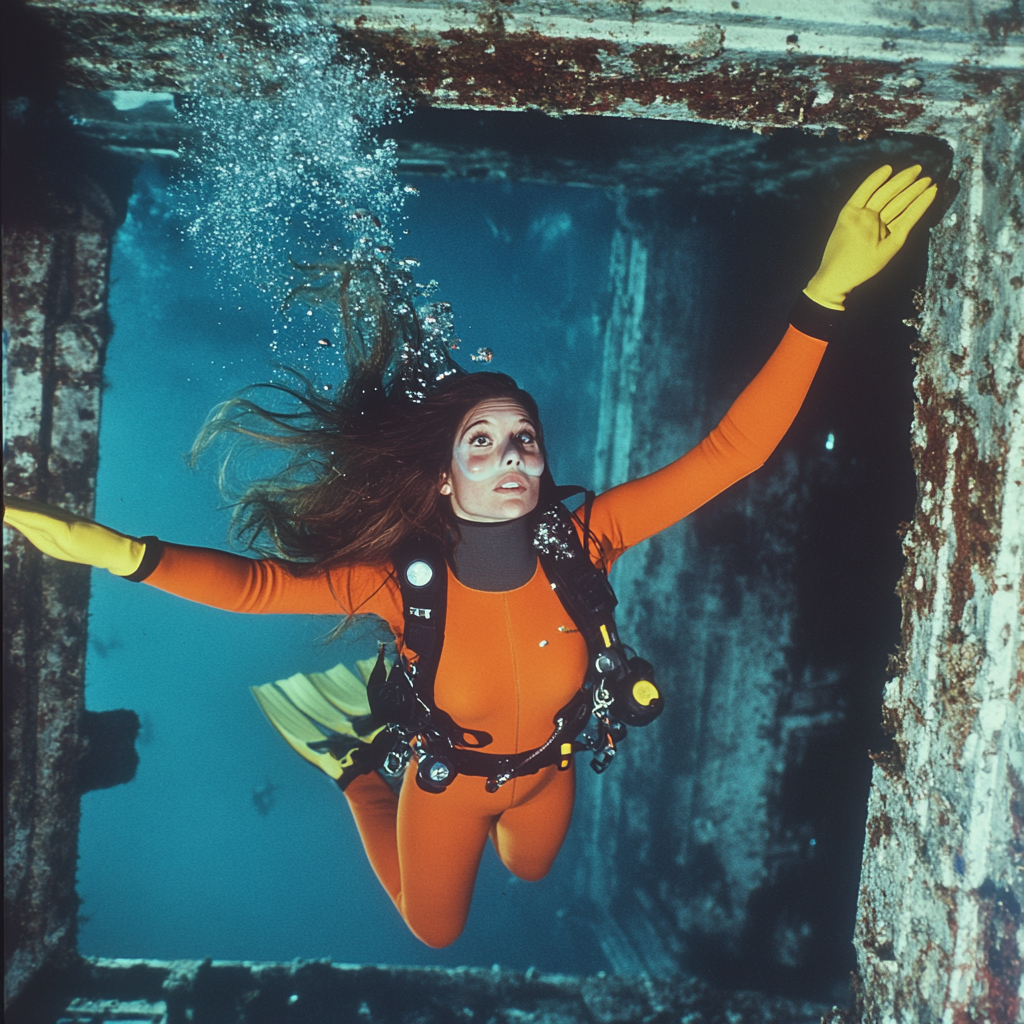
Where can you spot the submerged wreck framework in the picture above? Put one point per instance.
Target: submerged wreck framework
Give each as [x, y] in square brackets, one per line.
[939, 933]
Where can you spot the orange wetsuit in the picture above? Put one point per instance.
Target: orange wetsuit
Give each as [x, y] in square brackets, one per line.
[506, 667]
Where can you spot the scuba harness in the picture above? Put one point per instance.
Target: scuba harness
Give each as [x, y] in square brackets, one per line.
[617, 690]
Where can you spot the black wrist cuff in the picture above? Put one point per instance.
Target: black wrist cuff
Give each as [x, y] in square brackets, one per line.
[814, 320]
[150, 560]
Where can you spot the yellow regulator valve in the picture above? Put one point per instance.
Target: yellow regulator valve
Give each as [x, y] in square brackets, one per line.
[635, 698]
[645, 692]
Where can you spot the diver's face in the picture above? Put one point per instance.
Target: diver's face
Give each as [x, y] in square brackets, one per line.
[496, 463]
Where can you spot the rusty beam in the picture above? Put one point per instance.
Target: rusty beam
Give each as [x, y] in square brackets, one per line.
[861, 68]
[225, 992]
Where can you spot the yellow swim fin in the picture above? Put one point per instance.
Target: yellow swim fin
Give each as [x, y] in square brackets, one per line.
[324, 717]
[346, 691]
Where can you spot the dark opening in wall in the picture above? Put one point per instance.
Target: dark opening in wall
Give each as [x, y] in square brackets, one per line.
[733, 225]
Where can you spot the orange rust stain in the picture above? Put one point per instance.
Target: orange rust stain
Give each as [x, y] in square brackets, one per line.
[1000, 966]
[890, 761]
[930, 461]
[879, 828]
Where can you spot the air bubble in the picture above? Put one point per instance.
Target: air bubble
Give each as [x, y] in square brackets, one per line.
[262, 128]
[289, 169]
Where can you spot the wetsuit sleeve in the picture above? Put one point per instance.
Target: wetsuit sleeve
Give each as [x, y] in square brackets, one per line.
[742, 441]
[266, 586]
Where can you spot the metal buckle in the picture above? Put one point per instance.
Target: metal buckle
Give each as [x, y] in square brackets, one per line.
[603, 759]
[397, 760]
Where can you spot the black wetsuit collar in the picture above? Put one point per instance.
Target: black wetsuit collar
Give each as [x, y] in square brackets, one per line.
[495, 556]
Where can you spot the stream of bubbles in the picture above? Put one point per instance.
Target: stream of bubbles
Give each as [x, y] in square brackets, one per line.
[292, 190]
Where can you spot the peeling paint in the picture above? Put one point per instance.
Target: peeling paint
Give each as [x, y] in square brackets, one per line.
[977, 490]
[879, 828]
[584, 75]
[615, 57]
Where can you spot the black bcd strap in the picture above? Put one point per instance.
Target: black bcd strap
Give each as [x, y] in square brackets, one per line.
[583, 589]
[406, 698]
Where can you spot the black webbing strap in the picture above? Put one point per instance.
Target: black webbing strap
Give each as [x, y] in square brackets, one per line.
[424, 606]
[569, 723]
[423, 579]
[582, 587]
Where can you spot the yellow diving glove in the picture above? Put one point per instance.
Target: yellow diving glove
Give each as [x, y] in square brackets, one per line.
[71, 538]
[871, 229]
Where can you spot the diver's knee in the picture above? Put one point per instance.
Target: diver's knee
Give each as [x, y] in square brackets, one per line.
[530, 872]
[437, 934]
[432, 928]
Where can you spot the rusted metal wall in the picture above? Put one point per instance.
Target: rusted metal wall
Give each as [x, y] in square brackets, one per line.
[860, 67]
[686, 844]
[56, 330]
[940, 934]
[202, 992]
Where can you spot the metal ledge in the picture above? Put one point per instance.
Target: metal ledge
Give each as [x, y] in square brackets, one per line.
[862, 68]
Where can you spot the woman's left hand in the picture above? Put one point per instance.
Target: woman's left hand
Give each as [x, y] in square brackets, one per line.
[871, 229]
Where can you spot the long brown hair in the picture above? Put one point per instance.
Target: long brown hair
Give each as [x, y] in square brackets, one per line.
[362, 470]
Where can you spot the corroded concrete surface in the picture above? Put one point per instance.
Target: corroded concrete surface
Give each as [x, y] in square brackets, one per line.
[940, 931]
[55, 288]
[862, 68]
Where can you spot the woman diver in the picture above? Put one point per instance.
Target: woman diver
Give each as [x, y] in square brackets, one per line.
[461, 470]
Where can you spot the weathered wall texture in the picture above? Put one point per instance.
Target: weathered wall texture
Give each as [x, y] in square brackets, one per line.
[861, 67]
[59, 219]
[940, 934]
[681, 833]
[714, 845]
[202, 992]
[56, 326]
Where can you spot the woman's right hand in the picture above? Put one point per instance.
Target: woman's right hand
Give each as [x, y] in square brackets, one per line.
[71, 538]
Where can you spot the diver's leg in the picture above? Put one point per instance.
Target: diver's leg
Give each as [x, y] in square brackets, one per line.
[441, 838]
[424, 848]
[375, 809]
[529, 834]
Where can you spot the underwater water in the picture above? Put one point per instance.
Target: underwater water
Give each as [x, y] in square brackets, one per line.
[226, 844]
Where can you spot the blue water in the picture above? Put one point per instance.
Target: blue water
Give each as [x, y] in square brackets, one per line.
[180, 862]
